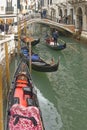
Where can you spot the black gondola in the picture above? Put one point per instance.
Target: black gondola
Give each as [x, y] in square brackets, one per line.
[38, 63]
[34, 41]
[56, 46]
[23, 106]
[42, 66]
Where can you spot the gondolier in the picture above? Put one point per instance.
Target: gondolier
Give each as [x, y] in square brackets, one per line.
[55, 36]
[59, 46]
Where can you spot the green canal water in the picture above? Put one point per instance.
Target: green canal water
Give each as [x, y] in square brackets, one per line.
[62, 94]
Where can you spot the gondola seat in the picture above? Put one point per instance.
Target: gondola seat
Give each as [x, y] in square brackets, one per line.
[27, 91]
[15, 100]
[30, 102]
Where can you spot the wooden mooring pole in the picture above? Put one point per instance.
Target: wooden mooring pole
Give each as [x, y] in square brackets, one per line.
[7, 66]
[30, 57]
[1, 101]
[19, 34]
[25, 27]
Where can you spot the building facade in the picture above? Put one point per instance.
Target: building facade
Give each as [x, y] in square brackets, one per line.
[65, 11]
[8, 10]
[70, 12]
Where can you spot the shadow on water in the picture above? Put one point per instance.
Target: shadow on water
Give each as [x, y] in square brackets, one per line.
[47, 100]
[13, 66]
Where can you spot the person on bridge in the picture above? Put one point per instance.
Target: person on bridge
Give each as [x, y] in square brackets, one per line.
[55, 37]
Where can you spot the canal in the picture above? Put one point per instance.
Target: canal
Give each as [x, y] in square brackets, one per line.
[62, 94]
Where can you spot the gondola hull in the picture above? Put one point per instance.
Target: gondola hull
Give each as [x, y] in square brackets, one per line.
[23, 106]
[44, 67]
[33, 42]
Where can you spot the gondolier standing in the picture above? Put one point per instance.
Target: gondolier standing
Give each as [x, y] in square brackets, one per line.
[55, 37]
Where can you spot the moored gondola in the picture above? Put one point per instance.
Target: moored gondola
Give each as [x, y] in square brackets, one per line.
[34, 41]
[38, 64]
[56, 46]
[43, 66]
[23, 106]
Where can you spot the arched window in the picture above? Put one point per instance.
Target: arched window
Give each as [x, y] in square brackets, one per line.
[50, 1]
[79, 18]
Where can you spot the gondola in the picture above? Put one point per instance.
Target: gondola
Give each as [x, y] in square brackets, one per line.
[43, 66]
[38, 64]
[23, 106]
[34, 41]
[56, 46]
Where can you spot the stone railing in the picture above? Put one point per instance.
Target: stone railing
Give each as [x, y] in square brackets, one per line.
[11, 46]
[75, 1]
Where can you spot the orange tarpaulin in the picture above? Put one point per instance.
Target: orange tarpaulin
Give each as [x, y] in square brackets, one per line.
[9, 21]
[28, 39]
[1, 20]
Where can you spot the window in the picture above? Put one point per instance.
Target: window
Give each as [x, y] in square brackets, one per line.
[50, 1]
[2, 47]
[26, 7]
[9, 3]
[2, 8]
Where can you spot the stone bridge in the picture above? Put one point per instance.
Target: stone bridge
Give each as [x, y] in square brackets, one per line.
[62, 27]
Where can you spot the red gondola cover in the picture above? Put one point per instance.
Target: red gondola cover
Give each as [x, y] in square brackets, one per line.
[24, 118]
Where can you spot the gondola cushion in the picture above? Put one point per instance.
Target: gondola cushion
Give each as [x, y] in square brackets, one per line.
[34, 57]
[24, 123]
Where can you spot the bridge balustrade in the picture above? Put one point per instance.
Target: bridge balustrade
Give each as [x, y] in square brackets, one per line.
[38, 15]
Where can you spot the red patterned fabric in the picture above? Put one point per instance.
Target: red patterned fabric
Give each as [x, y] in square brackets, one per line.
[23, 123]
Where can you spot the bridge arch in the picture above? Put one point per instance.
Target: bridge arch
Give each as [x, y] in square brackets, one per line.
[60, 26]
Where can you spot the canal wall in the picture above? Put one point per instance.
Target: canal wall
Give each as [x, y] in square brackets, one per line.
[7, 50]
[9, 40]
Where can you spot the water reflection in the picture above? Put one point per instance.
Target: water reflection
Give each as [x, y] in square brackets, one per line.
[51, 118]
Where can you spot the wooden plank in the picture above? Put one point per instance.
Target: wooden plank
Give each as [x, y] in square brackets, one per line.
[25, 27]
[19, 34]
[1, 101]
[7, 66]
[30, 56]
